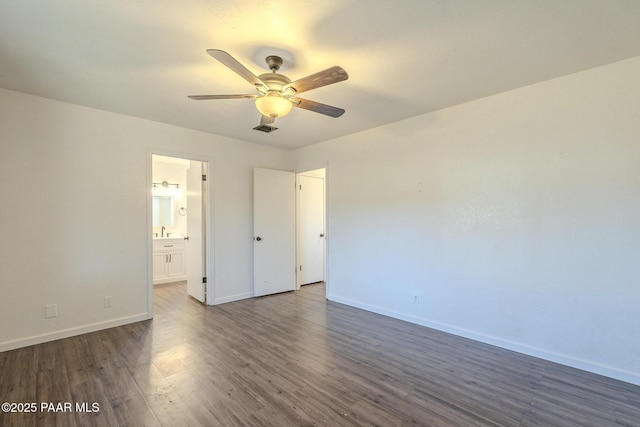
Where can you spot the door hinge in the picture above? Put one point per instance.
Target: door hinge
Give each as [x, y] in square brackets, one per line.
[204, 280]
[204, 177]
[300, 268]
[301, 186]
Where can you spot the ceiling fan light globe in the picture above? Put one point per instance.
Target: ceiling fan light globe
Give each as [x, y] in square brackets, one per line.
[273, 105]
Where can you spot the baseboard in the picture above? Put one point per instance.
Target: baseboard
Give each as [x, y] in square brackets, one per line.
[574, 362]
[170, 280]
[66, 333]
[231, 298]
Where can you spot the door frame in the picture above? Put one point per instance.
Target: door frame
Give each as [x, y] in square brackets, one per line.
[208, 221]
[307, 167]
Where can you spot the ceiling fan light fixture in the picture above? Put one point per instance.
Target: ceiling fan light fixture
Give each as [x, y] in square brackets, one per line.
[273, 105]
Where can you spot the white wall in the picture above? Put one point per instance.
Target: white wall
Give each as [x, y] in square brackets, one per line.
[74, 218]
[514, 219]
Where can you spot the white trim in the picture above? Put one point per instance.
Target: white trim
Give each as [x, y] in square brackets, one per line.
[70, 332]
[585, 365]
[170, 280]
[231, 298]
[149, 234]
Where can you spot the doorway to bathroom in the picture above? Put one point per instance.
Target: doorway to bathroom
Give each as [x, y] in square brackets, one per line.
[179, 218]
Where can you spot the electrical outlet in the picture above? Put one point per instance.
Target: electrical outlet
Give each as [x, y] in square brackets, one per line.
[50, 310]
[107, 302]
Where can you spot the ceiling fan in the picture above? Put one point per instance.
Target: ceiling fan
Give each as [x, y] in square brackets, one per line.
[277, 94]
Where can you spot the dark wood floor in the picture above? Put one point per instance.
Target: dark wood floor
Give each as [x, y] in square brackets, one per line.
[296, 359]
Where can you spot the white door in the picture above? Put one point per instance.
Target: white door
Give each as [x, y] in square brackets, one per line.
[310, 229]
[195, 244]
[274, 231]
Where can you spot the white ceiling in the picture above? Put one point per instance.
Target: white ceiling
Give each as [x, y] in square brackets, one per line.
[404, 58]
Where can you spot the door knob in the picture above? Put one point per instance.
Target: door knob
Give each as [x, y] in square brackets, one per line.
[258, 238]
[322, 235]
[186, 237]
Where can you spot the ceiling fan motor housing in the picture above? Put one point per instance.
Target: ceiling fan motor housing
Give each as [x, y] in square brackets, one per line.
[274, 81]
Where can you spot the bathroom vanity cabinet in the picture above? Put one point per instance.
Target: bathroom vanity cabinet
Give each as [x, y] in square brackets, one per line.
[168, 260]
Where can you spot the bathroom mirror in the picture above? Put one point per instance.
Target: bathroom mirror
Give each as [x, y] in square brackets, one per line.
[162, 211]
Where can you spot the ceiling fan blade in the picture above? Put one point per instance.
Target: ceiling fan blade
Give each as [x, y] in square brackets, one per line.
[326, 77]
[203, 97]
[317, 107]
[235, 66]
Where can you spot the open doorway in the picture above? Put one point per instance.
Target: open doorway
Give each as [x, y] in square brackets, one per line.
[311, 226]
[179, 223]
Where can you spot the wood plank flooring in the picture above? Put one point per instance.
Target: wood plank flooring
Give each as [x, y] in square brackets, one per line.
[295, 359]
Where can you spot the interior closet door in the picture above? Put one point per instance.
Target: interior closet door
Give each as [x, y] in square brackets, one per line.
[274, 238]
[310, 229]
